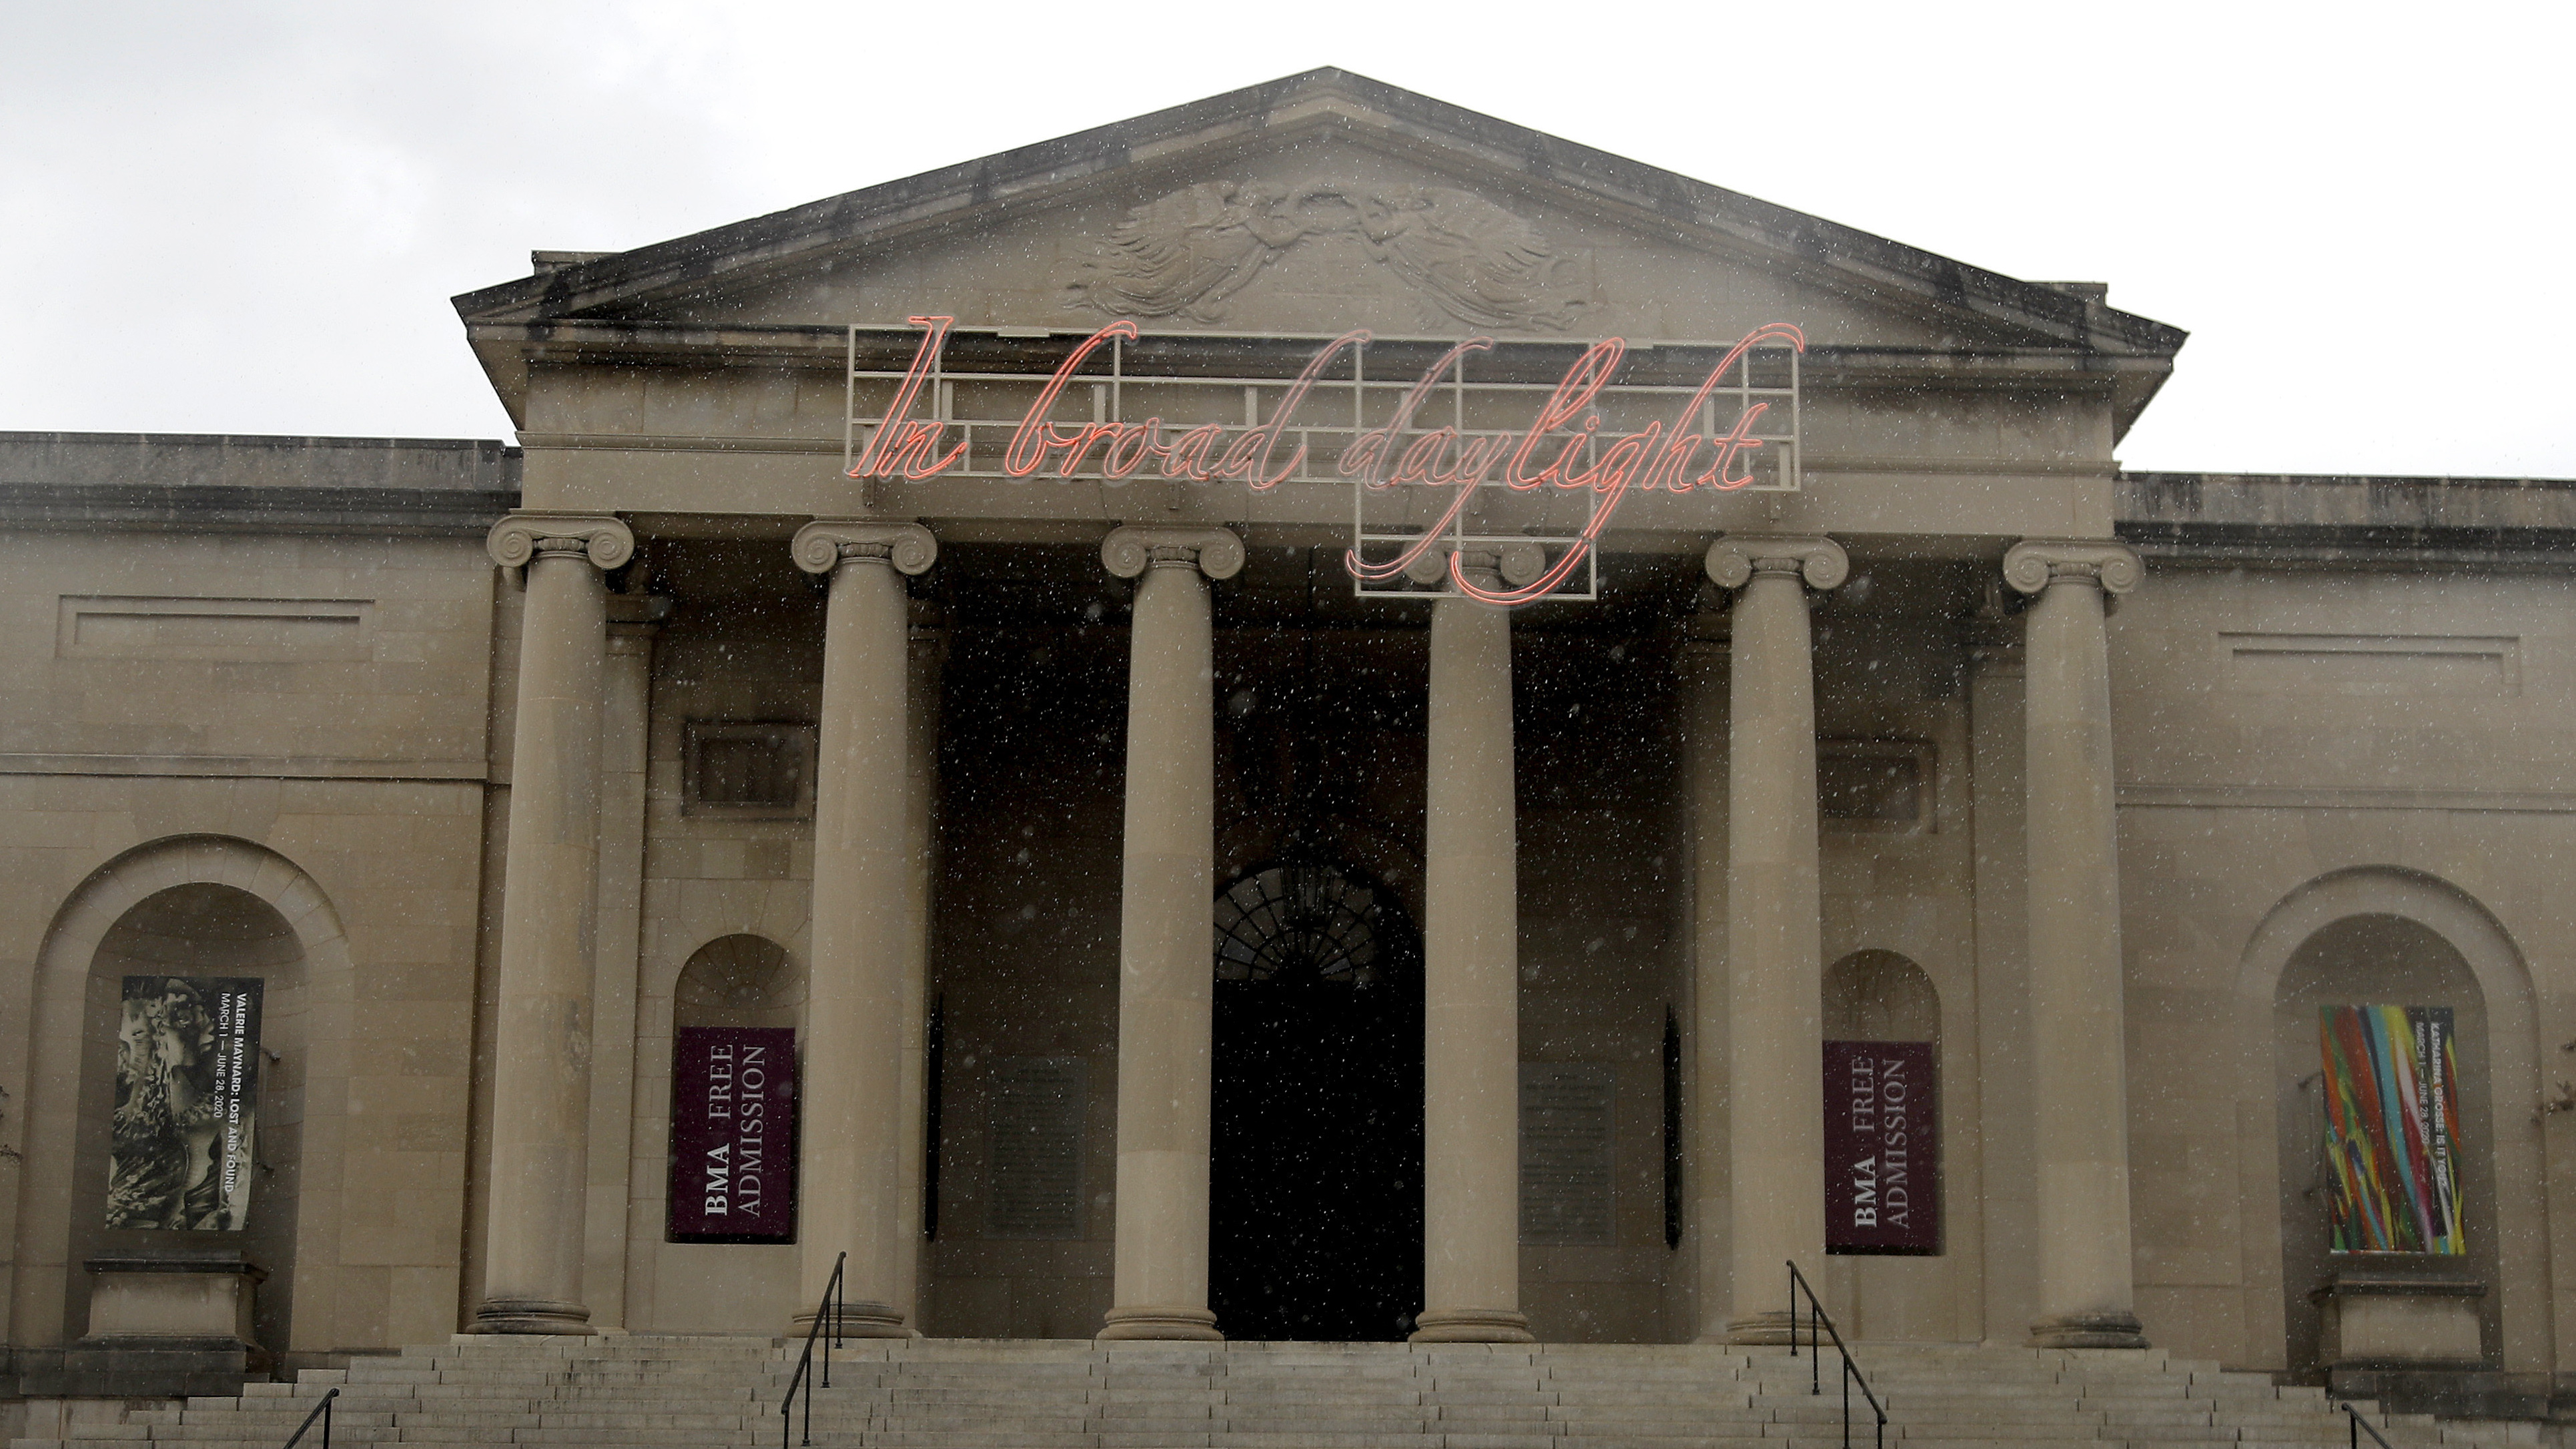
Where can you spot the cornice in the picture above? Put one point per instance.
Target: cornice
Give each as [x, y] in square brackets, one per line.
[199, 508]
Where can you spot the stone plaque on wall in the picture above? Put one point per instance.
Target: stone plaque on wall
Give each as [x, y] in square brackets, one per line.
[1566, 1120]
[1034, 1188]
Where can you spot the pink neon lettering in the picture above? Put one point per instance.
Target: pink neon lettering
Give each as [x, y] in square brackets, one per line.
[903, 445]
[1583, 382]
[1656, 456]
[1241, 462]
[1036, 437]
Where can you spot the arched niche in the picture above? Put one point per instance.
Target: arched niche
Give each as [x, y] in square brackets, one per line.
[184, 907]
[737, 980]
[2393, 937]
[1880, 996]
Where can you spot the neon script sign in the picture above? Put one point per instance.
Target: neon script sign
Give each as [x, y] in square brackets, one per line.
[925, 431]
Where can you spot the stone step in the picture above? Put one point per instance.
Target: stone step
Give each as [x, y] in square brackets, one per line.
[661, 1393]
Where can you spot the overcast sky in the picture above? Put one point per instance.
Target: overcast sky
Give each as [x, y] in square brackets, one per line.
[249, 217]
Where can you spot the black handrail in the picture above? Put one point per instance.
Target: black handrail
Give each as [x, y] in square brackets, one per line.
[830, 1307]
[321, 1411]
[1816, 1362]
[2359, 1423]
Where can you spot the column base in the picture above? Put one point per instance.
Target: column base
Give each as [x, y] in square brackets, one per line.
[1766, 1330]
[531, 1315]
[859, 1318]
[1166, 1321]
[1471, 1325]
[2089, 1330]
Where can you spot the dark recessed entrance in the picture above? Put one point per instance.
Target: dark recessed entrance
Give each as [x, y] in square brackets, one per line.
[1316, 1211]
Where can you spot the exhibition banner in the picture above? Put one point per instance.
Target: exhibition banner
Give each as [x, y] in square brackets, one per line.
[2392, 1129]
[1882, 1148]
[187, 1104]
[733, 1135]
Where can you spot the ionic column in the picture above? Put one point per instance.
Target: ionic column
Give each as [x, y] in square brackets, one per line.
[1166, 921]
[2078, 1060]
[855, 1030]
[1471, 1050]
[1775, 974]
[550, 871]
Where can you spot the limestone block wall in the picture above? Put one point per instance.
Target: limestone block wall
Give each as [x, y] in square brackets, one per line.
[743, 645]
[2297, 747]
[300, 719]
[1887, 683]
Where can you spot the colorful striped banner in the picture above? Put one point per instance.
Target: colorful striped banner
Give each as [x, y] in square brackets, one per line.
[2392, 1128]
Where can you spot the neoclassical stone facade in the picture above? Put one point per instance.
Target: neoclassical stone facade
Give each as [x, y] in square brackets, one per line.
[1185, 941]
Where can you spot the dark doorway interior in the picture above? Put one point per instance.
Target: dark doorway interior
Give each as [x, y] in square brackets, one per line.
[1316, 1212]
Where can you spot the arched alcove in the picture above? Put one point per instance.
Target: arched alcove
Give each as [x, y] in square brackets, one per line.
[1880, 996]
[1883, 996]
[737, 980]
[2364, 960]
[2386, 936]
[186, 909]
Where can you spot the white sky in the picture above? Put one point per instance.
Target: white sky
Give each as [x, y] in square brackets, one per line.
[249, 217]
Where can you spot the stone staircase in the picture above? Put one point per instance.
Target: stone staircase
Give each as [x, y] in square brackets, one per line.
[611, 1391]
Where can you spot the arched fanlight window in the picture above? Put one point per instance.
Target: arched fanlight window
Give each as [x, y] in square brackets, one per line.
[1299, 921]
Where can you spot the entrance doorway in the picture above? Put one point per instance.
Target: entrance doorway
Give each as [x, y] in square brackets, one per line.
[1316, 1186]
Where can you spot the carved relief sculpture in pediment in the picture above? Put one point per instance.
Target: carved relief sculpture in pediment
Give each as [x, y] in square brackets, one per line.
[1185, 254]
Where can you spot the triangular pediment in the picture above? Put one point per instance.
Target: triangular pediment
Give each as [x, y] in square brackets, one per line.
[1312, 204]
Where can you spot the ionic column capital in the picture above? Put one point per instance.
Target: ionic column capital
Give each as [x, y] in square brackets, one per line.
[1215, 552]
[521, 537]
[1490, 566]
[823, 544]
[1735, 558]
[2034, 563]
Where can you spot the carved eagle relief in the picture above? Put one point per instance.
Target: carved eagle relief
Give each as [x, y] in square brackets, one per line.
[1185, 254]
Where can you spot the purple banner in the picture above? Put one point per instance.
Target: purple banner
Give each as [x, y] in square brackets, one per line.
[1882, 1148]
[733, 1135]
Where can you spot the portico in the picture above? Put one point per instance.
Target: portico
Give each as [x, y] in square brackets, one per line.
[1208, 451]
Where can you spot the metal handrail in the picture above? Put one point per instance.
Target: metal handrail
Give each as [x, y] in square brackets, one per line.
[830, 1307]
[2359, 1424]
[321, 1411]
[1815, 1364]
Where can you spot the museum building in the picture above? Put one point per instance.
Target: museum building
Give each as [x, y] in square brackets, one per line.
[1309, 716]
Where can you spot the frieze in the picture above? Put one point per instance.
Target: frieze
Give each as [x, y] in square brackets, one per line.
[1184, 255]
